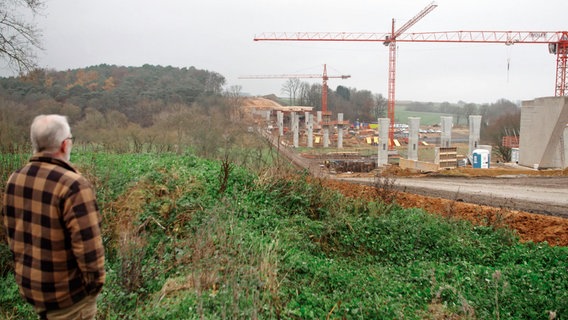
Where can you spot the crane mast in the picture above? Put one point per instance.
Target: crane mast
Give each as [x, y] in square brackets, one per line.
[391, 43]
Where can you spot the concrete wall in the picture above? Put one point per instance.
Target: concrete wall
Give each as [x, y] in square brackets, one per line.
[418, 165]
[543, 129]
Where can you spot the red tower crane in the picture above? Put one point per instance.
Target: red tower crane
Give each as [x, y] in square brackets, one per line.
[390, 41]
[557, 42]
[323, 76]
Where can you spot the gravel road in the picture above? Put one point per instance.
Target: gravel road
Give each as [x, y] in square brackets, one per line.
[545, 195]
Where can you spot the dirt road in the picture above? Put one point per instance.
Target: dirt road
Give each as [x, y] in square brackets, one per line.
[545, 195]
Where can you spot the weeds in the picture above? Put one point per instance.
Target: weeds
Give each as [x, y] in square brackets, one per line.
[226, 168]
[385, 187]
[286, 247]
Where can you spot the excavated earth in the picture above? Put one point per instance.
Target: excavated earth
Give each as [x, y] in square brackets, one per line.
[534, 203]
[550, 226]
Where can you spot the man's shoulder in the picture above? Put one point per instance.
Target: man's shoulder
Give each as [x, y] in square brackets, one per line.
[58, 172]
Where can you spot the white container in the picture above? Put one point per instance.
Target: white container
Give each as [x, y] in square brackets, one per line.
[481, 159]
[515, 155]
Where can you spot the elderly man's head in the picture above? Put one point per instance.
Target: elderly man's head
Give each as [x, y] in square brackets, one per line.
[51, 133]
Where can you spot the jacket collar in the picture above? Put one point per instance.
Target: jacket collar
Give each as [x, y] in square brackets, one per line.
[48, 157]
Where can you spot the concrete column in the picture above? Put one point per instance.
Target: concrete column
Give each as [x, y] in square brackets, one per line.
[564, 142]
[543, 128]
[295, 128]
[291, 120]
[310, 127]
[340, 131]
[383, 156]
[306, 116]
[413, 130]
[318, 119]
[325, 135]
[446, 137]
[474, 133]
[280, 122]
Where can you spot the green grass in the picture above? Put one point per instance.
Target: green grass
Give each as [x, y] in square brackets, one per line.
[426, 118]
[278, 247]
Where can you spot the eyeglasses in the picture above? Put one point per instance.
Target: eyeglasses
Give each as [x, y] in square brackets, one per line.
[71, 138]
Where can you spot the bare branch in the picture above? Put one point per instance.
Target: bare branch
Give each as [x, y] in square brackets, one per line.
[19, 39]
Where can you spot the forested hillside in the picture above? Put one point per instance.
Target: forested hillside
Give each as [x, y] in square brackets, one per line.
[128, 90]
[122, 107]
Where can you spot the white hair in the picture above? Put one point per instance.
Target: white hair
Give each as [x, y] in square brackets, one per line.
[48, 132]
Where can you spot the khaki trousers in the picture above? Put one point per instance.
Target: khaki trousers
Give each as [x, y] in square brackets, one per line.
[85, 309]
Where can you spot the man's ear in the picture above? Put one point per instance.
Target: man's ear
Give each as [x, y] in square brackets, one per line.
[63, 146]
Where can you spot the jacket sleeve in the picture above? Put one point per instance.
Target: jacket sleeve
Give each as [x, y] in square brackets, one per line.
[83, 222]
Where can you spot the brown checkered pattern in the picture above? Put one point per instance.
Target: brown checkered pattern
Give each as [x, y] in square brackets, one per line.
[52, 224]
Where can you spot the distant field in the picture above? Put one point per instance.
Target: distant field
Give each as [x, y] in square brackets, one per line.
[426, 118]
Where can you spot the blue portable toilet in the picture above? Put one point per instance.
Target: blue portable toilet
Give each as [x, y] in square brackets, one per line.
[481, 159]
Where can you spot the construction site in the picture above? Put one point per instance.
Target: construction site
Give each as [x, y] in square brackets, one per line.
[445, 169]
[544, 133]
[429, 169]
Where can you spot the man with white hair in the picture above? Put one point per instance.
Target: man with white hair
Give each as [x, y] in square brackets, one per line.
[52, 223]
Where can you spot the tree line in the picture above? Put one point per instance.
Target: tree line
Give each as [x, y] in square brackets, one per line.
[121, 108]
[355, 104]
[132, 107]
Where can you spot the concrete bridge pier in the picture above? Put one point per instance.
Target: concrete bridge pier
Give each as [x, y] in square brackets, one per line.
[383, 156]
[413, 130]
[446, 136]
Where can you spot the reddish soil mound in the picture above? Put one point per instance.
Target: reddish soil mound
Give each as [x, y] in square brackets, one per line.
[529, 226]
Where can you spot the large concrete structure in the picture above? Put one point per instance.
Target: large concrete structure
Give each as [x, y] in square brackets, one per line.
[325, 135]
[340, 131]
[474, 133]
[383, 155]
[310, 127]
[544, 135]
[413, 129]
[446, 136]
[280, 122]
[325, 124]
[295, 123]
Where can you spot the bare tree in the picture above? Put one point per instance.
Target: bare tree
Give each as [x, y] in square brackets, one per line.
[304, 95]
[291, 88]
[18, 38]
[234, 98]
[381, 109]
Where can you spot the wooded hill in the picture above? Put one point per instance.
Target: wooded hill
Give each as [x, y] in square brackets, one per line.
[128, 90]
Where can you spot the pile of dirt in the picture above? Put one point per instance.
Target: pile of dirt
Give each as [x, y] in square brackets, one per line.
[529, 226]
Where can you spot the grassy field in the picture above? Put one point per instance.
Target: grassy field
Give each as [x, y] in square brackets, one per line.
[189, 238]
[426, 118]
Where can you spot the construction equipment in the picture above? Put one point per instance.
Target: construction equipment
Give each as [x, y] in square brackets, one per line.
[323, 76]
[390, 41]
[557, 42]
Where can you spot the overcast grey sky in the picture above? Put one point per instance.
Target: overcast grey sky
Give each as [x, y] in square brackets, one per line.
[217, 35]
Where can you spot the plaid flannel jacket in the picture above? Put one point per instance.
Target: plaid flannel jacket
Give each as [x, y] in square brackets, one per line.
[52, 223]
